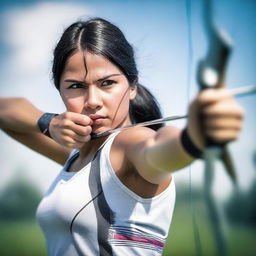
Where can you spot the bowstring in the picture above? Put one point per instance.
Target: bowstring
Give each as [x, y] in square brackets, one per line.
[197, 240]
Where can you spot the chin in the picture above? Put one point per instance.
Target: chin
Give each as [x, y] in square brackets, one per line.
[98, 129]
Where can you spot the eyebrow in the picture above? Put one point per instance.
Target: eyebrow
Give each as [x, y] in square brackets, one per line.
[99, 80]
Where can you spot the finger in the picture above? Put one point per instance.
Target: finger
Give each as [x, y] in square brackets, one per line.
[72, 143]
[77, 118]
[82, 139]
[80, 130]
[222, 135]
[67, 124]
[75, 136]
[222, 123]
[224, 108]
[210, 96]
[78, 123]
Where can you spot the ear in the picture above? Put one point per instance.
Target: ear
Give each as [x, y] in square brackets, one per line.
[133, 92]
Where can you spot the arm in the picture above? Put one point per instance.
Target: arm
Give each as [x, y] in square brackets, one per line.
[213, 114]
[18, 118]
[154, 155]
[18, 115]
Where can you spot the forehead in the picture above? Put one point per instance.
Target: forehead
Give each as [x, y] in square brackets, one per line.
[85, 64]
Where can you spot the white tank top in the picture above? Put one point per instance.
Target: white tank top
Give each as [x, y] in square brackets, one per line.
[91, 212]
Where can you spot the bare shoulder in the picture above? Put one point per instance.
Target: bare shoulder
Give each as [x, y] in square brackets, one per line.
[133, 136]
[127, 159]
[139, 135]
[124, 143]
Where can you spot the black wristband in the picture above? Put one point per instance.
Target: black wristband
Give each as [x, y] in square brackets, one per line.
[44, 122]
[189, 146]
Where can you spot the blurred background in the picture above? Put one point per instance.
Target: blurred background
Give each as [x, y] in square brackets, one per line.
[160, 32]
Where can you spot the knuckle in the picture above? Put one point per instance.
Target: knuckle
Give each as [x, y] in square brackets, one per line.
[89, 129]
[87, 120]
[86, 130]
[201, 98]
[207, 112]
[67, 132]
[68, 140]
[87, 138]
[67, 115]
[206, 95]
[66, 123]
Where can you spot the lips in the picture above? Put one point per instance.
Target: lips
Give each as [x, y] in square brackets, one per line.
[97, 119]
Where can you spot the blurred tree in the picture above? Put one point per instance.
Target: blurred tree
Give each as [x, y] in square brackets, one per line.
[19, 199]
[241, 207]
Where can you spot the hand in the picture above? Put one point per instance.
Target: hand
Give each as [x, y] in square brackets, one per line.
[214, 115]
[71, 129]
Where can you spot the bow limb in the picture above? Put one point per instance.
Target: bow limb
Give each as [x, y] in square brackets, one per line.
[211, 74]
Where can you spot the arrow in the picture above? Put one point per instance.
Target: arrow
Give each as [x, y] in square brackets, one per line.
[237, 92]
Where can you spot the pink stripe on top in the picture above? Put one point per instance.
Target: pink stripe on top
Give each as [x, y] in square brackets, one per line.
[139, 239]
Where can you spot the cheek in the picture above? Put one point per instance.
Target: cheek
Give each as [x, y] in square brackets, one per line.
[74, 104]
[120, 104]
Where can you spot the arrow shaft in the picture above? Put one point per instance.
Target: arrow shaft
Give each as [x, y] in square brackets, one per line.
[237, 92]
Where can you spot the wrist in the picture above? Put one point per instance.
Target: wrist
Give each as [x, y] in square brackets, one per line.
[44, 122]
[189, 146]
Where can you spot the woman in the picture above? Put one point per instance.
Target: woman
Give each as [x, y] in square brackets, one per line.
[115, 195]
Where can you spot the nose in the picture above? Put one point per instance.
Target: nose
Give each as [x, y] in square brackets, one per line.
[94, 99]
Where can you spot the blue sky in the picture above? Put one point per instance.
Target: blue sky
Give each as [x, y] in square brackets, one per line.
[158, 30]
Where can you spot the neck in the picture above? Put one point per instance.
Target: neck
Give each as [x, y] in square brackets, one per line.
[90, 148]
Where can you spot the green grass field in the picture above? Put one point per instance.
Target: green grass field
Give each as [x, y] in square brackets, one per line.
[24, 238]
[240, 240]
[21, 238]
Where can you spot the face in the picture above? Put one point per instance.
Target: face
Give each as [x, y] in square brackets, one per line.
[91, 85]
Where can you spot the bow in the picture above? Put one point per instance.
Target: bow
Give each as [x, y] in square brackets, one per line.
[211, 74]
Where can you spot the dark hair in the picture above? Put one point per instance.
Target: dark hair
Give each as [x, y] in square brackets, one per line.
[101, 37]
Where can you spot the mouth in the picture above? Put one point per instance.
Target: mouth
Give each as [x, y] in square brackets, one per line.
[97, 119]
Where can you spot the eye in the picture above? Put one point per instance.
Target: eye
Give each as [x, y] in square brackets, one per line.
[75, 86]
[108, 82]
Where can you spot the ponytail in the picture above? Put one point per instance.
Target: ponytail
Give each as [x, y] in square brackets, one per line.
[145, 108]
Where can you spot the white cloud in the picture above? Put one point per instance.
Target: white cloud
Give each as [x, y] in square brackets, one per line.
[32, 32]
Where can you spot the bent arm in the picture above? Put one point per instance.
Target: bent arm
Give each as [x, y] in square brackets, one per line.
[18, 115]
[18, 118]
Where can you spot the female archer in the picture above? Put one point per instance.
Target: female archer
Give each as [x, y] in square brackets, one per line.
[115, 195]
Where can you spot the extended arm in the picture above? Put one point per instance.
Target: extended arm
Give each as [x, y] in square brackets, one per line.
[213, 114]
